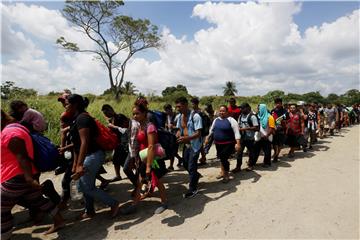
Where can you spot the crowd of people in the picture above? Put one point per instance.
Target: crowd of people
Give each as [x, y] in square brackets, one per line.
[144, 142]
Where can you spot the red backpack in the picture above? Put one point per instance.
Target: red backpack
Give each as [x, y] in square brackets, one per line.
[105, 139]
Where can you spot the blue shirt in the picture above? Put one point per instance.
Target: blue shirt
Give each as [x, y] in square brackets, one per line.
[194, 123]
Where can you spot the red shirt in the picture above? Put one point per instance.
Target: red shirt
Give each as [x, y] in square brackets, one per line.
[10, 167]
[234, 112]
[294, 124]
[141, 137]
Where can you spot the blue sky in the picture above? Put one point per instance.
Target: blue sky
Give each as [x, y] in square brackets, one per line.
[177, 16]
[232, 48]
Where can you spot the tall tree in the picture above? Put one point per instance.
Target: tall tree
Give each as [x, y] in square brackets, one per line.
[112, 34]
[229, 89]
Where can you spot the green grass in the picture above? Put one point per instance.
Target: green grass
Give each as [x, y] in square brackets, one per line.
[52, 109]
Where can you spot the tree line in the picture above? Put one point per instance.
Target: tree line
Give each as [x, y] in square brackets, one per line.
[10, 91]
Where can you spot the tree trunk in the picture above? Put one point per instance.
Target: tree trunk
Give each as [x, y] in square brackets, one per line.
[117, 93]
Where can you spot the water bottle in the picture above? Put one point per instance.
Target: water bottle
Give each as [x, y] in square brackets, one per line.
[74, 192]
[67, 155]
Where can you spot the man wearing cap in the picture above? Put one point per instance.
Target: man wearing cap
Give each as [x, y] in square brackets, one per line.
[248, 124]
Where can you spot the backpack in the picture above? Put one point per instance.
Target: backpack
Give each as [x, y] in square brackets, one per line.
[168, 141]
[106, 139]
[206, 123]
[160, 118]
[248, 119]
[46, 154]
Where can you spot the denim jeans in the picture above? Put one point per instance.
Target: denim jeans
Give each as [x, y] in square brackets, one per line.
[92, 164]
[128, 170]
[190, 164]
[65, 183]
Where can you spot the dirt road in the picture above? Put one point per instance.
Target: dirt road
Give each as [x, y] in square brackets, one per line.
[315, 195]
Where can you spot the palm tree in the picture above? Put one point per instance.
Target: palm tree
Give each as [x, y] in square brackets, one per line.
[129, 88]
[229, 89]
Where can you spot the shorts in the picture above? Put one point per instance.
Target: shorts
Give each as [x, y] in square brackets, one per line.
[279, 139]
[224, 151]
[296, 140]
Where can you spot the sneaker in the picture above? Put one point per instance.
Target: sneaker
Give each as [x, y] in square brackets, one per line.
[170, 168]
[236, 170]
[249, 168]
[266, 165]
[104, 184]
[116, 179]
[275, 160]
[60, 170]
[190, 194]
[162, 208]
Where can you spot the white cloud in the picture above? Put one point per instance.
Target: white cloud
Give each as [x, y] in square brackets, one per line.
[260, 48]
[257, 45]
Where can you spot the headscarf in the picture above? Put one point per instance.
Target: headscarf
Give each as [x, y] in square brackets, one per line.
[263, 115]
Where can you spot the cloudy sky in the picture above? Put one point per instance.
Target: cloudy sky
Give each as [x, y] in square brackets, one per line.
[294, 47]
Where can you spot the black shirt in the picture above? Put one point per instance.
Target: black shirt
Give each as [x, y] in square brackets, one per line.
[122, 121]
[276, 113]
[84, 120]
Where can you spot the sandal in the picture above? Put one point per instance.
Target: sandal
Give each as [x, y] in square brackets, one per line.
[220, 176]
[86, 215]
[225, 180]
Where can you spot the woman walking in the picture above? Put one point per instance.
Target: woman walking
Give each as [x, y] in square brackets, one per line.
[88, 157]
[225, 131]
[150, 170]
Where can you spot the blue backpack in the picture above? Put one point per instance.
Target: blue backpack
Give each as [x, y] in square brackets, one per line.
[160, 118]
[46, 154]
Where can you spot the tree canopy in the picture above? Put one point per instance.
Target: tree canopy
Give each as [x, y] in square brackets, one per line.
[112, 34]
[229, 89]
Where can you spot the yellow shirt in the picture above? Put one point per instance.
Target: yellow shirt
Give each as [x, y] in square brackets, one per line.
[271, 122]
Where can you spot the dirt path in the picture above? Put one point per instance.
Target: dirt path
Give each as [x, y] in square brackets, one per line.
[315, 195]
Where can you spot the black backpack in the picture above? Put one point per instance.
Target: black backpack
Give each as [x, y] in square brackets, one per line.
[168, 141]
[206, 123]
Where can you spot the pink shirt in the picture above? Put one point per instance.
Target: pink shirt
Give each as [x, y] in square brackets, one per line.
[10, 167]
[142, 136]
[36, 119]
